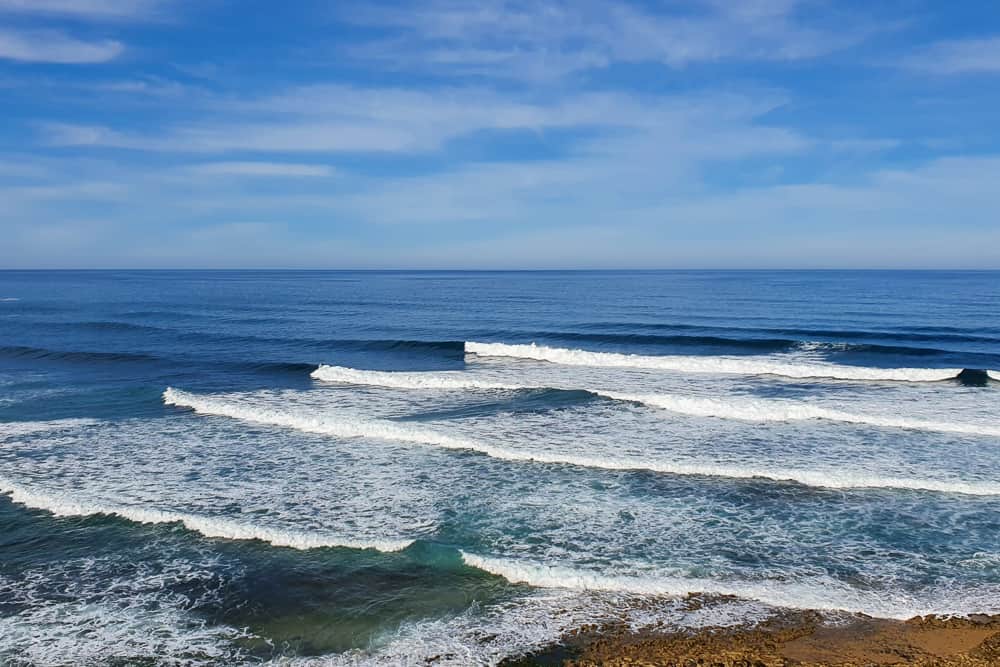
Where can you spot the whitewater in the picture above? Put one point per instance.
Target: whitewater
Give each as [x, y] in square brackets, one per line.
[724, 365]
[742, 409]
[347, 425]
[326, 468]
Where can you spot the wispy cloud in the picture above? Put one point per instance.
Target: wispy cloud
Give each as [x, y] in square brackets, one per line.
[550, 38]
[962, 56]
[52, 46]
[281, 169]
[863, 146]
[325, 118]
[514, 133]
[83, 9]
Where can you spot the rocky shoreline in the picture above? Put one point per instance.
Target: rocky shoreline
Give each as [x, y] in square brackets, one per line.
[793, 638]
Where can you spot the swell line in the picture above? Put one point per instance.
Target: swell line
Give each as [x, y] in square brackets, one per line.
[63, 504]
[351, 427]
[707, 364]
[750, 410]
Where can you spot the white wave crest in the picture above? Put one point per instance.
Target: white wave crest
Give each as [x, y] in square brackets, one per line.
[994, 374]
[342, 427]
[63, 504]
[724, 365]
[404, 380]
[822, 594]
[761, 411]
[742, 409]
[353, 427]
[483, 636]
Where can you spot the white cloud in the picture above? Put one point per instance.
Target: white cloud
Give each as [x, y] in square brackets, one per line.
[552, 38]
[261, 169]
[51, 46]
[863, 146]
[585, 213]
[963, 56]
[347, 119]
[83, 9]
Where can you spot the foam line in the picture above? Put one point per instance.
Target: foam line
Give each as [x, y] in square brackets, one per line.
[761, 411]
[751, 410]
[349, 427]
[821, 595]
[343, 427]
[63, 504]
[707, 364]
[405, 380]
[994, 375]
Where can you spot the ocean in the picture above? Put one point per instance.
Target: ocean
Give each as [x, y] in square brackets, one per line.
[312, 468]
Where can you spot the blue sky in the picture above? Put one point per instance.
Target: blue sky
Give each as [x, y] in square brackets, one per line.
[764, 133]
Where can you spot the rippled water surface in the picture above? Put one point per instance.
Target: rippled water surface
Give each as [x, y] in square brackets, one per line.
[351, 467]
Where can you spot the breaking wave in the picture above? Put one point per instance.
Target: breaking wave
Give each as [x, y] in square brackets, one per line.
[63, 504]
[406, 380]
[742, 409]
[352, 427]
[344, 427]
[757, 410]
[706, 364]
[822, 593]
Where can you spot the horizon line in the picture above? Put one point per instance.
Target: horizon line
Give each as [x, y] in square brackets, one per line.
[498, 270]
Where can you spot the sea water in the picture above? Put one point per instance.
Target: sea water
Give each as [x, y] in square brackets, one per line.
[350, 467]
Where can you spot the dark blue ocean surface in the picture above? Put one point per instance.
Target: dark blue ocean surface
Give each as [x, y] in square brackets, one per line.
[202, 467]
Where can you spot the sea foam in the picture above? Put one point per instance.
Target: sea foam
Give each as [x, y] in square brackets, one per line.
[484, 636]
[707, 364]
[406, 380]
[348, 426]
[96, 610]
[10, 430]
[345, 426]
[821, 593]
[738, 408]
[64, 504]
[761, 411]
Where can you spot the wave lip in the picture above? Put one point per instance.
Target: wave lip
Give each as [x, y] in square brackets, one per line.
[350, 427]
[723, 365]
[825, 595]
[62, 504]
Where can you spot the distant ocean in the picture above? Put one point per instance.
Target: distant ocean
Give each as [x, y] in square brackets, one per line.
[215, 468]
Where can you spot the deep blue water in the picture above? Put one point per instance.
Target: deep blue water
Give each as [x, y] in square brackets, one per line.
[363, 466]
